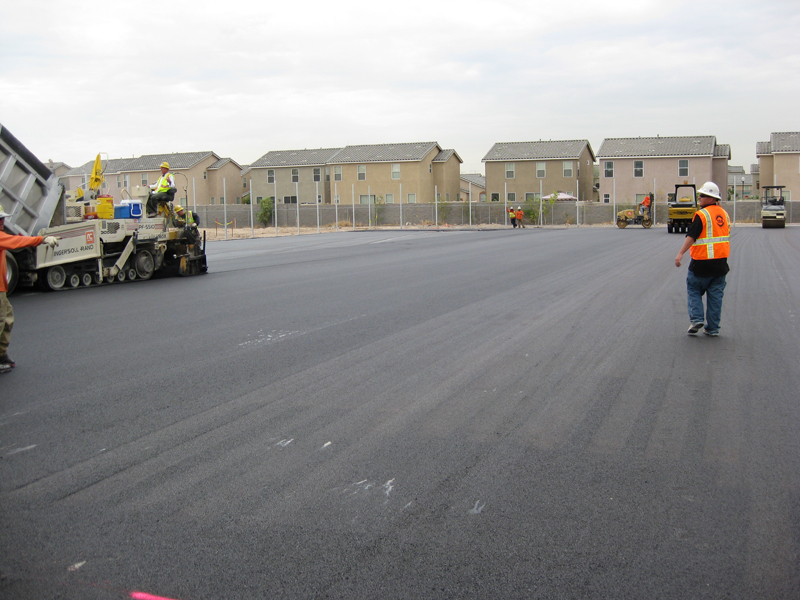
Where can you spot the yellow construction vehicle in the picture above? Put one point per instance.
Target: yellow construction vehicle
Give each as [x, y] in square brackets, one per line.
[681, 209]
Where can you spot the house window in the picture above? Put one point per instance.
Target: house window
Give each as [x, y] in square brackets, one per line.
[144, 178]
[362, 172]
[509, 170]
[495, 197]
[327, 173]
[270, 175]
[639, 198]
[638, 168]
[606, 198]
[222, 199]
[608, 168]
[411, 198]
[389, 199]
[127, 180]
[530, 197]
[317, 174]
[364, 199]
[212, 201]
[567, 166]
[290, 199]
[119, 181]
[337, 173]
[482, 197]
[259, 199]
[683, 167]
[447, 197]
[396, 171]
[244, 182]
[430, 168]
[295, 175]
[205, 175]
[238, 199]
[512, 197]
[540, 170]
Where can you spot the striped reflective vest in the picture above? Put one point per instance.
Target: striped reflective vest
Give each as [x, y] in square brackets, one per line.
[714, 241]
[165, 182]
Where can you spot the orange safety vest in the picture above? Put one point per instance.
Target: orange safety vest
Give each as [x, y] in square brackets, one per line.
[519, 215]
[714, 241]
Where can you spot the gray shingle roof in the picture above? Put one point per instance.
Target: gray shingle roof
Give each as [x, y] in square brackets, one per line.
[700, 145]
[763, 148]
[722, 151]
[295, 158]
[735, 169]
[785, 142]
[113, 165]
[474, 179]
[224, 161]
[384, 153]
[559, 149]
[177, 160]
[445, 155]
[755, 168]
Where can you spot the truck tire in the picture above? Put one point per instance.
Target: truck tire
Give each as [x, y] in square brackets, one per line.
[622, 223]
[12, 272]
[647, 223]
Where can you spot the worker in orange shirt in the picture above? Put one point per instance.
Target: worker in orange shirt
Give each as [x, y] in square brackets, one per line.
[644, 207]
[520, 215]
[9, 242]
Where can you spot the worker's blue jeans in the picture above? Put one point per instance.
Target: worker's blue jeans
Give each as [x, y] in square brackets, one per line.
[713, 288]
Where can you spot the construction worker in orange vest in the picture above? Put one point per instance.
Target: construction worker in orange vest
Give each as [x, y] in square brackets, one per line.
[708, 241]
[519, 217]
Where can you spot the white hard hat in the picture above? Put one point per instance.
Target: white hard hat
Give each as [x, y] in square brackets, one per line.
[3, 213]
[710, 189]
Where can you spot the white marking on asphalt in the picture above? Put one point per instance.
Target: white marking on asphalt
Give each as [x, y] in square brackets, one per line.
[388, 486]
[325, 445]
[284, 443]
[476, 510]
[21, 450]
[76, 566]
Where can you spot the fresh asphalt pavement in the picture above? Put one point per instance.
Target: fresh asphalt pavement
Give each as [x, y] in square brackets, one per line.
[409, 414]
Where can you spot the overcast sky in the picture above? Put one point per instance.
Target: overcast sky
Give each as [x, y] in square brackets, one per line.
[244, 77]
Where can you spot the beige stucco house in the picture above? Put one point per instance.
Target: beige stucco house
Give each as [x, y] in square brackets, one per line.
[522, 171]
[360, 174]
[779, 162]
[630, 168]
[292, 174]
[201, 177]
[473, 186]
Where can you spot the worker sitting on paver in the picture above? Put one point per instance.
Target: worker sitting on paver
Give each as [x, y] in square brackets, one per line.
[162, 190]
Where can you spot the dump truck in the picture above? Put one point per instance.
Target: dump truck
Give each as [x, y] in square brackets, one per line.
[773, 206]
[91, 251]
[681, 208]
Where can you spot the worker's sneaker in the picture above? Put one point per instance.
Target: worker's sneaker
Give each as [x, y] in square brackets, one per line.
[711, 333]
[5, 368]
[6, 360]
[694, 328]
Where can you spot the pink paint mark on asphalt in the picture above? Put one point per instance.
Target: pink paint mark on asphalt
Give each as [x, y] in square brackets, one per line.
[144, 596]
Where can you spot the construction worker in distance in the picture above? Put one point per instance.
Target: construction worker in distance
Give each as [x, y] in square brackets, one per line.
[644, 207]
[162, 190]
[513, 216]
[12, 242]
[520, 215]
[708, 240]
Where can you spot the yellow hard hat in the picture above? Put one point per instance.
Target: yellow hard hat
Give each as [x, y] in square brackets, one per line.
[177, 208]
[165, 165]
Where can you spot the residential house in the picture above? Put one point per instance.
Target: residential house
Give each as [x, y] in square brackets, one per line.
[523, 171]
[393, 173]
[743, 184]
[630, 168]
[473, 187]
[291, 175]
[779, 162]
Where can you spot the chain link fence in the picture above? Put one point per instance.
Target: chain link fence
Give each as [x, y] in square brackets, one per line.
[449, 214]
